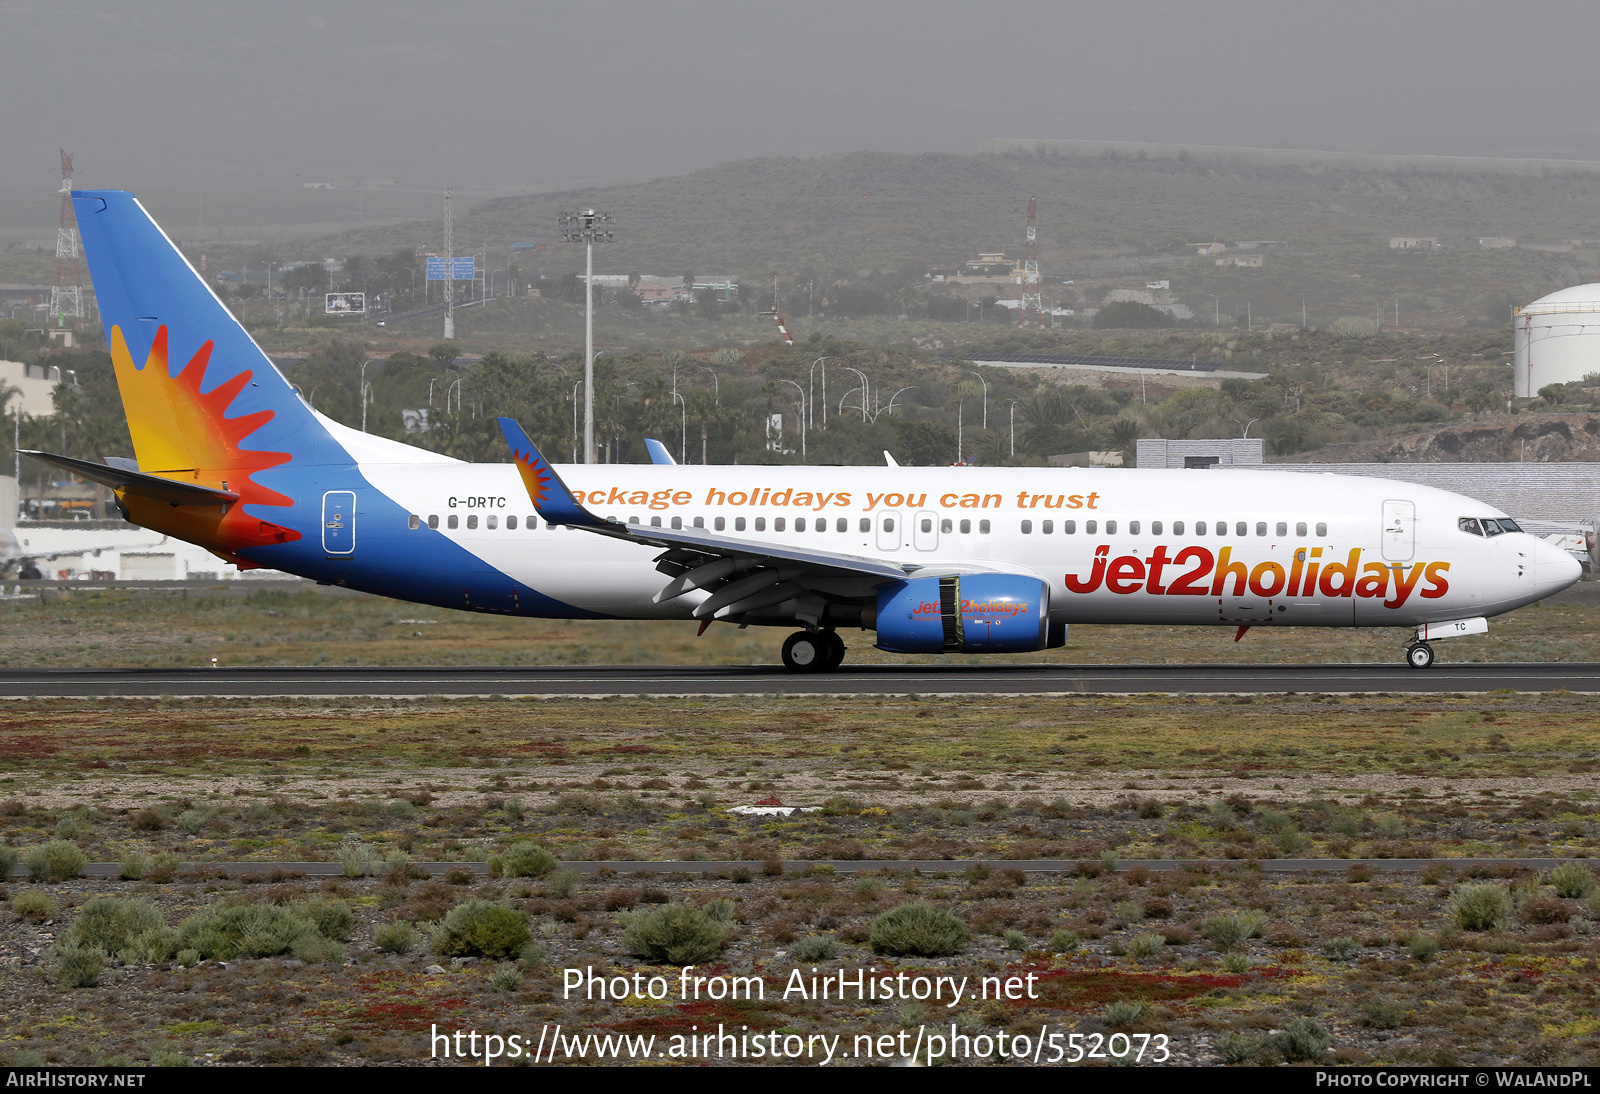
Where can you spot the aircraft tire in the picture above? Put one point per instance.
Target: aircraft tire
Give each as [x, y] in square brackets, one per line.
[836, 650]
[804, 651]
[1419, 655]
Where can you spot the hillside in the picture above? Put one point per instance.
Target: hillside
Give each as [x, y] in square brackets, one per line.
[1503, 438]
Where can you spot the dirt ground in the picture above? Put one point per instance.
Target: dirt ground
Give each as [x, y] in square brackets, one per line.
[1353, 964]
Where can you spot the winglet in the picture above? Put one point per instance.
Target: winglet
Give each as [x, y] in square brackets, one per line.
[658, 452]
[551, 498]
[888, 460]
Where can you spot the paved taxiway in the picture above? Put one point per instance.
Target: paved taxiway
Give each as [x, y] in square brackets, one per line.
[850, 680]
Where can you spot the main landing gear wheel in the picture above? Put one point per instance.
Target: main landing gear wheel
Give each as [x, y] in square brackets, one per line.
[1419, 655]
[805, 651]
[836, 650]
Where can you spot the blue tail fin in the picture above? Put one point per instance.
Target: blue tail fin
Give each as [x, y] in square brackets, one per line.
[200, 395]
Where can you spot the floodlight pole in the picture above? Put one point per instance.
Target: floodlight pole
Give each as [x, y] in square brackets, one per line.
[587, 226]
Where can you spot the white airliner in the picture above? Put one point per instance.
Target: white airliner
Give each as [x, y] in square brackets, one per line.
[930, 560]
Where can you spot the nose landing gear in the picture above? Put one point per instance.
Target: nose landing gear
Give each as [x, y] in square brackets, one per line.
[813, 651]
[1419, 655]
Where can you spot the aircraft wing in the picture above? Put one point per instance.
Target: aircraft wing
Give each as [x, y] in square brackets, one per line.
[131, 481]
[743, 576]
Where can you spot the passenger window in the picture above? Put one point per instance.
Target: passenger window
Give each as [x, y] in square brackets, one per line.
[633, 520]
[1047, 527]
[720, 523]
[983, 527]
[761, 524]
[842, 524]
[655, 522]
[945, 526]
[738, 524]
[453, 522]
[927, 524]
[699, 522]
[677, 523]
[1322, 530]
[472, 521]
[866, 524]
[491, 522]
[1090, 526]
[1027, 527]
[1261, 527]
[1155, 528]
[1241, 529]
[966, 527]
[1177, 528]
[778, 524]
[888, 524]
[511, 524]
[1300, 529]
[433, 520]
[1199, 527]
[1111, 527]
[1069, 527]
[799, 524]
[1133, 527]
[413, 522]
[822, 524]
[1283, 528]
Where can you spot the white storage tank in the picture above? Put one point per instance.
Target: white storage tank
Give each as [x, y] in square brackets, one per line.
[1557, 339]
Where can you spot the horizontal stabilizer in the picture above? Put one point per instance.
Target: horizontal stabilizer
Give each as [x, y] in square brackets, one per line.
[137, 482]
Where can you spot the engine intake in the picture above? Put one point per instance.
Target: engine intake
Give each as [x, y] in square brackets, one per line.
[971, 613]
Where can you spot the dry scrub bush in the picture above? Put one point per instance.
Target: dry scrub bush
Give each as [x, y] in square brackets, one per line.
[399, 937]
[917, 929]
[1481, 907]
[55, 861]
[1230, 930]
[1572, 881]
[8, 862]
[223, 932]
[482, 928]
[527, 860]
[816, 947]
[131, 931]
[674, 934]
[33, 906]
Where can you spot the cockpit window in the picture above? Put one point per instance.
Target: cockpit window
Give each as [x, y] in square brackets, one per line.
[1491, 527]
[1509, 525]
[1469, 524]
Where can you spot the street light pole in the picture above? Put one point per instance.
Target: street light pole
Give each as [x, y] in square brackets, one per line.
[588, 227]
[364, 365]
[802, 392]
[811, 385]
[985, 384]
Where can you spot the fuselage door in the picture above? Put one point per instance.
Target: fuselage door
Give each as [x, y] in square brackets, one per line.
[889, 531]
[1399, 530]
[339, 523]
[925, 531]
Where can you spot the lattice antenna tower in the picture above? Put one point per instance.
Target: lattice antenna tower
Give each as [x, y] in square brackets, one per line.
[450, 284]
[66, 298]
[1032, 286]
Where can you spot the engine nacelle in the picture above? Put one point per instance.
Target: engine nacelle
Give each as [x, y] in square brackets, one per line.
[969, 613]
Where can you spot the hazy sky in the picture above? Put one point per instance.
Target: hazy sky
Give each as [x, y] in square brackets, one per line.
[158, 93]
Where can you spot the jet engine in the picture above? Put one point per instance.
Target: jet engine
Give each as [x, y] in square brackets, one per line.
[967, 613]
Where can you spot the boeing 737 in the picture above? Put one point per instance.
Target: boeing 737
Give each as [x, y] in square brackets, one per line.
[228, 455]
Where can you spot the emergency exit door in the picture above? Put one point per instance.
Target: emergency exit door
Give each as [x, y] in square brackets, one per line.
[339, 523]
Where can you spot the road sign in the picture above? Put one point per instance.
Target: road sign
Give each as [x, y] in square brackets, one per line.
[439, 268]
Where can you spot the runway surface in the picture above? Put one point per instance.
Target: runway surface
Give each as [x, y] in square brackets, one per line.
[863, 680]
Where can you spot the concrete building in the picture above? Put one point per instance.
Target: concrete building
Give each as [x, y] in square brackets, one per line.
[1557, 339]
[1220, 452]
[1249, 261]
[1414, 243]
[1495, 243]
[37, 384]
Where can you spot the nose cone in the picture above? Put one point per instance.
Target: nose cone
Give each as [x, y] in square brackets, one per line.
[1553, 568]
